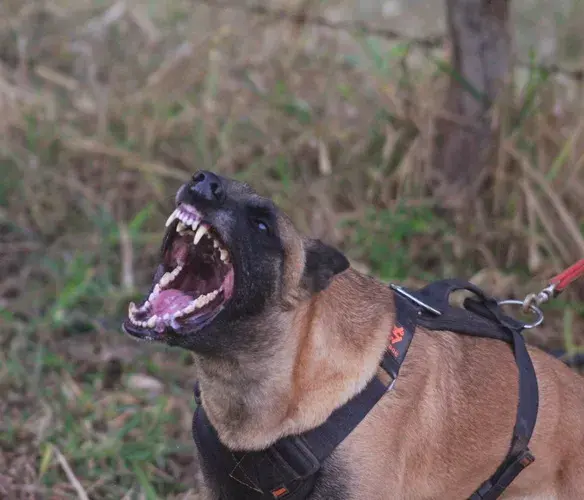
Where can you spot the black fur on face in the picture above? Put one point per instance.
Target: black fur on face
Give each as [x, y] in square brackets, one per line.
[207, 295]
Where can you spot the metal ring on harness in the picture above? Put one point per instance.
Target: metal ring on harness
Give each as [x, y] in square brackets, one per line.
[533, 308]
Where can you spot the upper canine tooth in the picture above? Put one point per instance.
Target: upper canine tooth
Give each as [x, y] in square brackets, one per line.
[199, 234]
[173, 215]
[194, 223]
[224, 255]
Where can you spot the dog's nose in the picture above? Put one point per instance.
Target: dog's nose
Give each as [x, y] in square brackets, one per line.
[207, 186]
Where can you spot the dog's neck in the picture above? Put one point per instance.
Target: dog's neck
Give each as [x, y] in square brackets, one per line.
[323, 353]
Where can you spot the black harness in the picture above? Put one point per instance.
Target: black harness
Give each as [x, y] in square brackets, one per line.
[290, 467]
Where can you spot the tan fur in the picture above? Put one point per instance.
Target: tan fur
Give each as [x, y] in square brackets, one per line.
[439, 434]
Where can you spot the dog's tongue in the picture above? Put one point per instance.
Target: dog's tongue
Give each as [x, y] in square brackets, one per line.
[170, 301]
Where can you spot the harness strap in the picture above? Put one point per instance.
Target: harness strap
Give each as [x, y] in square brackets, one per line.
[288, 468]
[509, 330]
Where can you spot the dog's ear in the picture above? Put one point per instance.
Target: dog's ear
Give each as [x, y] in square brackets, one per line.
[321, 264]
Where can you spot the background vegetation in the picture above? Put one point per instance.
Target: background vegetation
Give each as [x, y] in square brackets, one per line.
[108, 106]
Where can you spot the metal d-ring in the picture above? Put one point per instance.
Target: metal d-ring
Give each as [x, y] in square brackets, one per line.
[533, 308]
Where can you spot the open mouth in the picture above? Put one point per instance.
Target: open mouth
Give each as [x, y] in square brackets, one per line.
[196, 278]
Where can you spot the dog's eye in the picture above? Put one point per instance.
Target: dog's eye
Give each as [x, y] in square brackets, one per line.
[261, 225]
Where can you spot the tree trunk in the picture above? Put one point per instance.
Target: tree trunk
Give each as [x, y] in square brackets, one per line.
[480, 45]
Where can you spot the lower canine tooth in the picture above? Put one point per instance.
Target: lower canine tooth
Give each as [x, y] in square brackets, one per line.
[132, 308]
[199, 234]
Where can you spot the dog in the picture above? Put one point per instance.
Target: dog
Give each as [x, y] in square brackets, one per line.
[285, 332]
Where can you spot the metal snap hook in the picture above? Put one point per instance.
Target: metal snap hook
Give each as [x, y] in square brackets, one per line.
[531, 307]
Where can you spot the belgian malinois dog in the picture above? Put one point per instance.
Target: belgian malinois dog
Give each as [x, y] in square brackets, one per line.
[284, 332]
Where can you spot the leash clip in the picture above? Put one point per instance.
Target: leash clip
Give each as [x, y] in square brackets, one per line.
[556, 286]
[537, 299]
[415, 300]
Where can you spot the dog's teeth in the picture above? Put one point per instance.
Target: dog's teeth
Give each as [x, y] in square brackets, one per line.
[132, 309]
[168, 277]
[180, 228]
[152, 321]
[194, 224]
[199, 234]
[190, 308]
[205, 299]
[173, 216]
[224, 255]
[200, 302]
[215, 243]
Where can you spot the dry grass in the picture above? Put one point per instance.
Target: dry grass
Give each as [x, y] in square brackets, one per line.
[107, 106]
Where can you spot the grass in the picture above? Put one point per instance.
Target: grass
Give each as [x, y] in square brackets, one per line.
[107, 107]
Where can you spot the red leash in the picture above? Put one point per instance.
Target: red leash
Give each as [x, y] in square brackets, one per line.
[566, 277]
[556, 286]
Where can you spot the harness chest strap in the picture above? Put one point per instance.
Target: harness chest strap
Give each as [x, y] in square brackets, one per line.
[289, 468]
